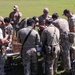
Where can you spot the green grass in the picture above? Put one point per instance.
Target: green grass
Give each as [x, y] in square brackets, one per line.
[31, 8]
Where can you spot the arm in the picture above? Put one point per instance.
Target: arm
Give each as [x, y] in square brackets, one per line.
[43, 37]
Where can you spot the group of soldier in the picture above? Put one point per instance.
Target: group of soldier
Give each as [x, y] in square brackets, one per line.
[54, 34]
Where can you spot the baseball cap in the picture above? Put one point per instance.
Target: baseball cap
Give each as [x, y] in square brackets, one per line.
[46, 9]
[66, 11]
[15, 7]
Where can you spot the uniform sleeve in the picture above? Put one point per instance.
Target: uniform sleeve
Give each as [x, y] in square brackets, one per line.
[72, 24]
[56, 24]
[38, 39]
[43, 37]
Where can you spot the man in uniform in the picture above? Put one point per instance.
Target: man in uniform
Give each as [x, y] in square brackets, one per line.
[50, 37]
[8, 29]
[42, 19]
[3, 40]
[15, 15]
[71, 21]
[62, 25]
[29, 53]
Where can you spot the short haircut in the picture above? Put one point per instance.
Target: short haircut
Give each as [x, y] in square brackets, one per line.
[6, 19]
[30, 21]
[55, 15]
[48, 21]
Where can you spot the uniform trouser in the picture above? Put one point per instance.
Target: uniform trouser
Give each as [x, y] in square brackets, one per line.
[65, 52]
[30, 61]
[2, 63]
[51, 62]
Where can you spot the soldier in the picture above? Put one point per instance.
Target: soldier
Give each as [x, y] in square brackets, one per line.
[8, 29]
[15, 16]
[71, 21]
[44, 16]
[42, 19]
[3, 40]
[62, 25]
[50, 37]
[29, 53]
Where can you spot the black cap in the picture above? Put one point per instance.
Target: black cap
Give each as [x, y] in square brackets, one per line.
[30, 21]
[48, 21]
[55, 15]
[66, 11]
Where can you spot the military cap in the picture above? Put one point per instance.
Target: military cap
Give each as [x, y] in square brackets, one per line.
[66, 11]
[15, 7]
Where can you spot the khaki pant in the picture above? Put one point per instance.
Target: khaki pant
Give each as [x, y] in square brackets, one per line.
[51, 61]
[29, 57]
[65, 54]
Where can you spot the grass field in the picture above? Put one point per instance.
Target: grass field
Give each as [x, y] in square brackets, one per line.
[31, 8]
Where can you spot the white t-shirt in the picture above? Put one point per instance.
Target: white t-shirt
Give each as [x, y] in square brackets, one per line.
[1, 34]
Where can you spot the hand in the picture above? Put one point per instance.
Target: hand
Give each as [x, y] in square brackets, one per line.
[5, 40]
[42, 27]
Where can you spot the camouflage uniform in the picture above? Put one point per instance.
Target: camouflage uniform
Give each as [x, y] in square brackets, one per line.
[62, 24]
[29, 53]
[51, 58]
[9, 31]
[71, 22]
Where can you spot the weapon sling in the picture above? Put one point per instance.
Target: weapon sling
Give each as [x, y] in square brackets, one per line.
[25, 40]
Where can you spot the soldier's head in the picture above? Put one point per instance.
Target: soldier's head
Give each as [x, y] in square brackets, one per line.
[30, 22]
[7, 21]
[35, 19]
[47, 22]
[15, 8]
[55, 16]
[1, 20]
[45, 11]
[67, 13]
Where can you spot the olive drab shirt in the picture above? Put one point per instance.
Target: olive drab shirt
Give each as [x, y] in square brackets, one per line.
[31, 41]
[71, 22]
[42, 19]
[62, 25]
[50, 33]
